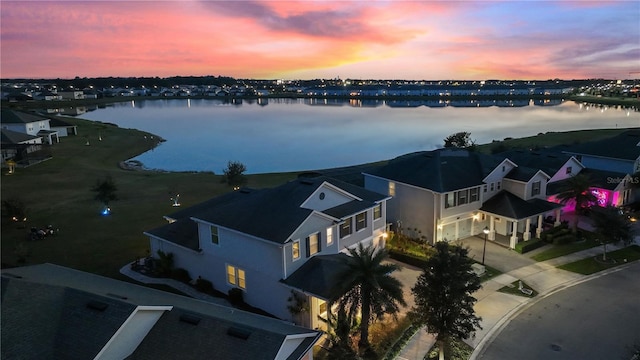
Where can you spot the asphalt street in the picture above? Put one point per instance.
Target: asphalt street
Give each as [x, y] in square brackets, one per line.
[596, 319]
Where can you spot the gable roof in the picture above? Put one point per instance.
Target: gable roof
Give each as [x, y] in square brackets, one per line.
[271, 214]
[523, 173]
[9, 137]
[623, 146]
[10, 116]
[548, 161]
[511, 206]
[440, 170]
[49, 303]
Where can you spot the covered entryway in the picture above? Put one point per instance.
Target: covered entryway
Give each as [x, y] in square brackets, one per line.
[518, 219]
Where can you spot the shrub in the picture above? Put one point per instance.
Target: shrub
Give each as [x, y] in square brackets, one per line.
[204, 286]
[180, 274]
[408, 259]
[526, 246]
[165, 263]
[236, 296]
[563, 239]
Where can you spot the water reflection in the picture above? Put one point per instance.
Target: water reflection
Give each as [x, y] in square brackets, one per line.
[272, 135]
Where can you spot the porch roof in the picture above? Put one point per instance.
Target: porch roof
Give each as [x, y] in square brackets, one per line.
[318, 276]
[506, 204]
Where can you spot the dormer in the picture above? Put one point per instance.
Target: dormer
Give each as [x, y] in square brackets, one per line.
[326, 196]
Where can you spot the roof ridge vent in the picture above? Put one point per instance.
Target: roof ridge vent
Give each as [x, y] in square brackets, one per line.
[238, 332]
[97, 305]
[190, 319]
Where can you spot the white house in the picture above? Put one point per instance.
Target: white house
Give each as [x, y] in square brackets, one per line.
[272, 243]
[29, 123]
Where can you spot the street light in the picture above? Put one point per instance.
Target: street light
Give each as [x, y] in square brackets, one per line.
[484, 248]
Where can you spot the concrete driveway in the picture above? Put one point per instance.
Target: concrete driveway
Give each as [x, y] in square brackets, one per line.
[407, 275]
[496, 256]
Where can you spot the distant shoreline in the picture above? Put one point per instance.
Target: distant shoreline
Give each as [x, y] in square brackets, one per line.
[39, 104]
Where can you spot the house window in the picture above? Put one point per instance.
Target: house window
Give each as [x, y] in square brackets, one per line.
[503, 168]
[313, 244]
[498, 184]
[569, 170]
[484, 188]
[474, 194]
[236, 276]
[345, 228]
[449, 200]
[377, 211]
[492, 186]
[295, 250]
[392, 188]
[535, 188]
[462, 197]
[361, 221]
[214, 235]
[329, 236]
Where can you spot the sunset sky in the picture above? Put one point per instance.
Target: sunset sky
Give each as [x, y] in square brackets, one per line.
[430, 40]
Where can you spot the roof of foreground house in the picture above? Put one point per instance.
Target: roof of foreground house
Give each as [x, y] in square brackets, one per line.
[440, 170]
[19, 117]
[14, 137]
[49, 311]
[318, 275]
[548, 161]
[270, 214]
[511, 206]
[623, 146]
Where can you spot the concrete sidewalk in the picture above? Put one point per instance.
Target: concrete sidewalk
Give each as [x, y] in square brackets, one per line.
[496, 308]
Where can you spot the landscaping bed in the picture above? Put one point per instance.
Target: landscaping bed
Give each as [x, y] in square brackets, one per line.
[515, 289]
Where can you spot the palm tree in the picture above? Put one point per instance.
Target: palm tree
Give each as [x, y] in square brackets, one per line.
[366, 284]
[612, 226]
[578, 189]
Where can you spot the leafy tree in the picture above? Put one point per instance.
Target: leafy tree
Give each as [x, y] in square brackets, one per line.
[460, 139]
[443, 300]
[366, 284]
[341, 326]
[105, 190]
[234, 174]
[577, 189]
[612, 227]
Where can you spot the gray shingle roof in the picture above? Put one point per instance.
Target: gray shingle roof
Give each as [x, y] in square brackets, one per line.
[270, 214]
[548, 161]
[44, 316]
[522, 173]
[15, 137]
[623, 146]
[20, 117]
[508, 205]
[318, 275]
[440, 170]
[599, 178]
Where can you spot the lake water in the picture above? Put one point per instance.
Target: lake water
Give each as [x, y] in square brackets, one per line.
[304, 134]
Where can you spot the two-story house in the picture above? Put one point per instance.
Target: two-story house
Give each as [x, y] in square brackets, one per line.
[272, 242]
[449, 194]
[28, 123]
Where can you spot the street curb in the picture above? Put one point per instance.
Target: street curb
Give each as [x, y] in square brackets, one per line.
[504, 321]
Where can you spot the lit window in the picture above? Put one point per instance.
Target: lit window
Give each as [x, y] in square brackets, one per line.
[236, 277]
[345, 228]
[392, 188]
[377, 211]
[361, 221]
[329, 236]
[449, 200]
[214, 235]
[313, 244]
[295, 249]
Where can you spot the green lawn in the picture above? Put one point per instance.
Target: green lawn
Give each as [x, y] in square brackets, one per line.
[561, 250]
[514, 289]
[592, 265]
[58, 192]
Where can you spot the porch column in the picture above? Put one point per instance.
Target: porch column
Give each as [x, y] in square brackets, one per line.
[514, 235]
[527, 233]
[492, 229]
[557, 223]
[539, 228]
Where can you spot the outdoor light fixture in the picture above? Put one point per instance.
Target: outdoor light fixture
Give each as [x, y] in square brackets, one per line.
[484, 248]
[106, 211]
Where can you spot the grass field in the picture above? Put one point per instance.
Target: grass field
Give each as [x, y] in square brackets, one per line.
[58, 192]
[593, 264]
